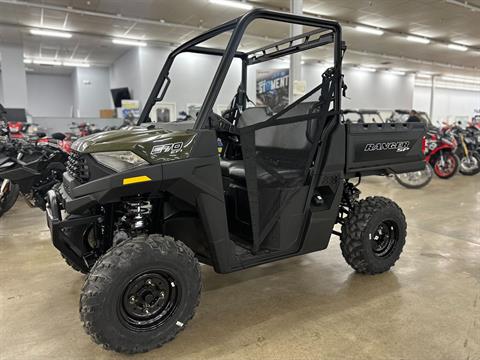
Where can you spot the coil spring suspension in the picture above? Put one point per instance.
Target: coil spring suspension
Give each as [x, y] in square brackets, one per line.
[138, 210]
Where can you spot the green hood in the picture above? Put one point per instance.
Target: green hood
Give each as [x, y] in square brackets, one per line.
[155, 145]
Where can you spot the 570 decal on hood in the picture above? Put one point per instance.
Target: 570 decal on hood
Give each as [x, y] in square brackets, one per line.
[171, 148]
[399, 146]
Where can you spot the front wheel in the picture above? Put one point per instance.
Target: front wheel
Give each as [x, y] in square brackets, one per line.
[140, 294]
[415, 179]
[373, 235]
[470, 165]
[445, 165]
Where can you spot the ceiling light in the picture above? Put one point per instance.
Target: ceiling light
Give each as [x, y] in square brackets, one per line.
[418, 39]
[461, 79]
[233, 3]
[47, 62]
[457, 47]
[363, 68]
[302, 62]
[76, 64]
[27, 61]
[129, 42]
[53, 33]
[369, 30]
[423, 75]
[396, 72]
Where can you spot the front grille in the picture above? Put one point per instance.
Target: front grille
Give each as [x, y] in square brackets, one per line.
[77, 167]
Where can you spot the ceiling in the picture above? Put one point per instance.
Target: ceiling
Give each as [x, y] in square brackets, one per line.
[95, 22]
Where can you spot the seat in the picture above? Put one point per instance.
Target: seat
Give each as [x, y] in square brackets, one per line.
[287, 144]
[281, 177]
[58, 136]
[225, 165]
[248, 117]
[40, 134]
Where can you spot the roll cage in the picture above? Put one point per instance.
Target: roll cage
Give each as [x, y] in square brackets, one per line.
[327, 32]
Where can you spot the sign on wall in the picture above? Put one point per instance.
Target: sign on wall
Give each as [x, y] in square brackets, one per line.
[272, 88]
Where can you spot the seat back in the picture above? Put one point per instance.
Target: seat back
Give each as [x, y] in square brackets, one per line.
[295, 136]
[253, 115]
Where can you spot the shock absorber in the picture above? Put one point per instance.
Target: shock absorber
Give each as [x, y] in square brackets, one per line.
[139, 210]
[134, 220]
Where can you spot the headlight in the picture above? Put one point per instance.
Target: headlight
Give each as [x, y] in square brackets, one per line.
[119, 160]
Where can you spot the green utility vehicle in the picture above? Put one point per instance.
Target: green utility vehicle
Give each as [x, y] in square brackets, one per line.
[139, 209]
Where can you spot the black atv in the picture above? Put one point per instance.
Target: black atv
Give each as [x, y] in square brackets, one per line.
[144, 206]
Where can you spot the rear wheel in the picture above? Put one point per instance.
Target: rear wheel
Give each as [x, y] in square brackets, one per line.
[416, 179]
[470, 165]
[373, 235]
[140, 294]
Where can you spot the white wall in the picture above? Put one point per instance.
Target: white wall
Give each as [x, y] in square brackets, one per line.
[368, 90]
[448, 104]
[50, 95]
[14, 81]
[91, 91]
[125, 72]
[191, 76]
[379, 90]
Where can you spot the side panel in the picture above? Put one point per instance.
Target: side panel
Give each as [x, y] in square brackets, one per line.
[323, 209]
[198, 182]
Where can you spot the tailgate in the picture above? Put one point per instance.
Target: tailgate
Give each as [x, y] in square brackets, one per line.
[377, 149]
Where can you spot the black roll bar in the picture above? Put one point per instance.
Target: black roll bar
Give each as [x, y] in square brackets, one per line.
[238, 27]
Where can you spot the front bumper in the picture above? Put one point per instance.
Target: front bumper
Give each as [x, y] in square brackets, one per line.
[68, 235]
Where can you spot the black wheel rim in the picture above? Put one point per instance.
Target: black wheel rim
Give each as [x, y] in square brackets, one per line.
[149, 300]
[384, 238]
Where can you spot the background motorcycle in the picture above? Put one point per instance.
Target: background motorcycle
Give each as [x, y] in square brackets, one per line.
[416, 179]
[467, 150]
[439, 149]
[440, 154]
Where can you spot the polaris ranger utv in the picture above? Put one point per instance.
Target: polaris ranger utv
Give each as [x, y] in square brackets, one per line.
[139, 209]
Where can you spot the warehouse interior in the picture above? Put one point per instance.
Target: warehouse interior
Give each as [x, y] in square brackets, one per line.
[86, 69]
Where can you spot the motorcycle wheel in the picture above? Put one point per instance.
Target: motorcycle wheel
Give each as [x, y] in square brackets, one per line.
[9, 199]
[450, 167]
[470, 165]
[415, 179]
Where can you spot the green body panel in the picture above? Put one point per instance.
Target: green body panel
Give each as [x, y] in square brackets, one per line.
[154, 146]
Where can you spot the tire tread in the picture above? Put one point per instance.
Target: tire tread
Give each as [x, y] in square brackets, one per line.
[354, 228]
[117, 258]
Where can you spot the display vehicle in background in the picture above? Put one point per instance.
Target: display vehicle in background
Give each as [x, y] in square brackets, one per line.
[401, 116]
[30, 165]
[467, 151]
[139, 209]
[35, 169]
[362, 116]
